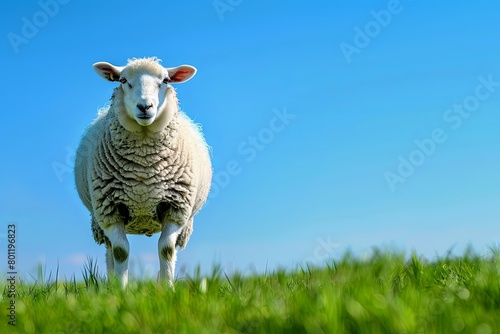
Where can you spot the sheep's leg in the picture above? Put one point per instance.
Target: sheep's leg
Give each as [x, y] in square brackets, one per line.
[119, 252]
[184, 235]
[166, 251]
[110, 267]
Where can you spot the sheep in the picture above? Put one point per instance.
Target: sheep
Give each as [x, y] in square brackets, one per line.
[143, 166]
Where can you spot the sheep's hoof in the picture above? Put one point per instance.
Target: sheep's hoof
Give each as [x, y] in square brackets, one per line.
[165, 282]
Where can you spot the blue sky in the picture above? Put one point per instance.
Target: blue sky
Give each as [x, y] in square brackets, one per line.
[334, 125]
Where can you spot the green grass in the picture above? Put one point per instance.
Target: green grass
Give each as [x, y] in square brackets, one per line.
[387, 293]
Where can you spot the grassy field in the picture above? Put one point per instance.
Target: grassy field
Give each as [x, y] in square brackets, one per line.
[387, 293]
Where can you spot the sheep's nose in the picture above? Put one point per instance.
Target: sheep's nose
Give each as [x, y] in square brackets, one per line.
[144, 108]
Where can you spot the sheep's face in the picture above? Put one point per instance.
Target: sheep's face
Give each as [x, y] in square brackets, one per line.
[143, 95]
[144, 84]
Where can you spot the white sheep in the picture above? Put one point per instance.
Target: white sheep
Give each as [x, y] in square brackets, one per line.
[143, 166]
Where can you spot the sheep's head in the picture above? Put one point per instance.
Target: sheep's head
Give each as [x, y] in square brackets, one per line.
[144, 83]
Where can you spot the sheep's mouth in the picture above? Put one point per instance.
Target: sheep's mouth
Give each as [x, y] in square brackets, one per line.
[145, 119]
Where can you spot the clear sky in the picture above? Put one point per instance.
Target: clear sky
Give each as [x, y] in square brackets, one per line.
[335, 125]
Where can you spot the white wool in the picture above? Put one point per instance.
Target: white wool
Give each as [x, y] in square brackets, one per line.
[160, 172]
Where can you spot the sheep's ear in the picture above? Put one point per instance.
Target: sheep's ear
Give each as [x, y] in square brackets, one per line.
[108, 71]
[181, 73]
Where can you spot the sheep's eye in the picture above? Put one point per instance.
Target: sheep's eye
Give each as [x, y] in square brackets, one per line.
[124, 81]
[166, 80]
